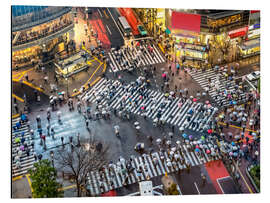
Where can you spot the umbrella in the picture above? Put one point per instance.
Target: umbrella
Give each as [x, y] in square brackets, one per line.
[17, 140]
[136, 123]
[234, 102]
[142, 108]
[190, 137]
[234, 148]
[158, 140]
[171, 93]
[181, 128]
[197, 146]
[194, 100]
[184, 135]
[245, 149]
[202, 137]
[163, 75]
[209, 131]
[207, 102]
[208, 151]
[22, 147]
[197, 150]
[201, 146]
[174, 149]
[138, 127]
[209, 105]
[231, 153]
[233, 144]
[170, 134]
[235, 154]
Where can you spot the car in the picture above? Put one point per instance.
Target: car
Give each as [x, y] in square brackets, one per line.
[253, 76]
[142, 30]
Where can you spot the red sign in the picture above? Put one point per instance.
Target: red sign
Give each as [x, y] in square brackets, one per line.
[254, 11]
[238, 33]
[186, 21]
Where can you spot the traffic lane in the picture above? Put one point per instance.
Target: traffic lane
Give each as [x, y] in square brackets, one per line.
[191, 184]
[109, 19]
[114, 35]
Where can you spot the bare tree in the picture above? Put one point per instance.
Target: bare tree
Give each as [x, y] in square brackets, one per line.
[77, 162]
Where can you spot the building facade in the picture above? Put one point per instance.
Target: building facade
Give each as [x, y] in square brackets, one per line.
[40, 32]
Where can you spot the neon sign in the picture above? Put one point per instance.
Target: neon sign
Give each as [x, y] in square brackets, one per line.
[224, 21]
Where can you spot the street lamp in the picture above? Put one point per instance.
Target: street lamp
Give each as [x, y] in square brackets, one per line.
[52, 157]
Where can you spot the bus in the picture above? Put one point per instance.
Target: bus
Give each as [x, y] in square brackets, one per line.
[124, 26]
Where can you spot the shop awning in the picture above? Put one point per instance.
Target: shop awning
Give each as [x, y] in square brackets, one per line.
[168, 31]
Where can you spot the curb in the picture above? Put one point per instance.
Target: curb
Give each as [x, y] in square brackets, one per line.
[251, 179]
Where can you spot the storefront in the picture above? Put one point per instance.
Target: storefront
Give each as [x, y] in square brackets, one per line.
[250, 48]
[253, 32]
[191, 47]
[26, 57]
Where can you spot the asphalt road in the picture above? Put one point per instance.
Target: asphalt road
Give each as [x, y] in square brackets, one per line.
[109, 17]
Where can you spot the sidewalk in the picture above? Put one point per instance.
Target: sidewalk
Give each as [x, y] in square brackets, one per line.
[21, 188]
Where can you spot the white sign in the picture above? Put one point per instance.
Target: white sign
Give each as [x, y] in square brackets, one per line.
[253, 33]
[146, 188]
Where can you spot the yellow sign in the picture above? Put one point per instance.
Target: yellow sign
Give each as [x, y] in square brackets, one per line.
[224, 21]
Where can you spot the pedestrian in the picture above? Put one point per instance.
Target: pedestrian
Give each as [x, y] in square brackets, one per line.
[62, 140]
[59, 116]
[203, 179]
[78, 140]
[70, 139]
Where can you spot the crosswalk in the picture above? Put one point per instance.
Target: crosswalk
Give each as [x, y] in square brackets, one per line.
[153, 165]
[143, 59]
[171, 112]
[202, 79]
[27, 162]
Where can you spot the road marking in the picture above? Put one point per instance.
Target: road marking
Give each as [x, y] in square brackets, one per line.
[141, 38]
[243, 178]
[161, 48]
[67, 187]
[29, 182]
[18, 98]
[17, 178]
[234, 126]
[220, 185]
[104, 68]
[109, 30]
[16, 115]
[33, 86]
[100, 13]
[93, 74]
[116, 24]
[197, 188]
